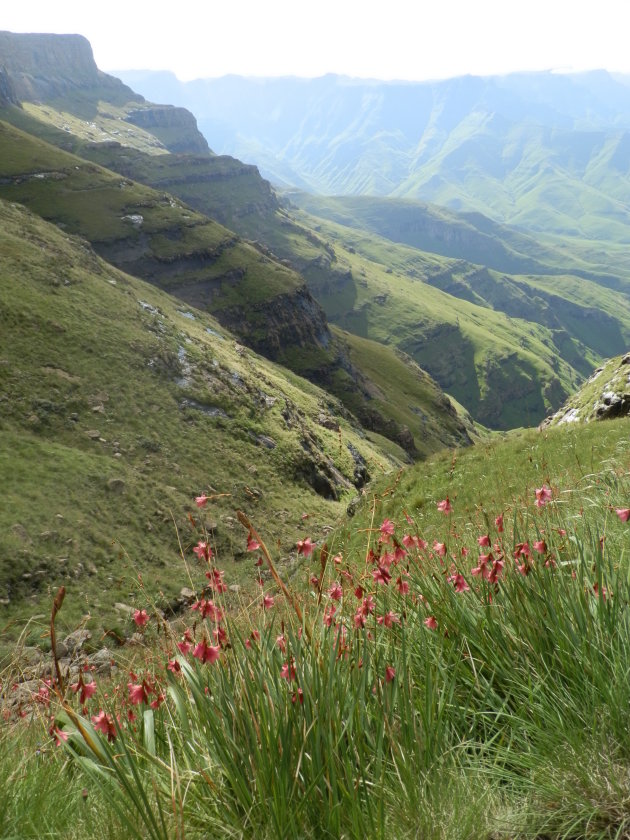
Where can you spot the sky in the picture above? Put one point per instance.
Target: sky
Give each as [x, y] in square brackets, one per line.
[392, 39]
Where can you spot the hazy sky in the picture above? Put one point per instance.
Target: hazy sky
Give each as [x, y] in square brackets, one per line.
[425, 39]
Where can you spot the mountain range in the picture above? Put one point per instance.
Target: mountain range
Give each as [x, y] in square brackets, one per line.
[543, 151]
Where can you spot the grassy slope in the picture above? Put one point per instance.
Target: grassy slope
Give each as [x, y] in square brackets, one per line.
[505, 370]
[105, 378]
[236, 274]
[584, 321]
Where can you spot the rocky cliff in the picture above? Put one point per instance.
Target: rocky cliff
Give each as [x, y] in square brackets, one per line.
[175, 127]
[60, 70]
[604, 396]
[46, 67]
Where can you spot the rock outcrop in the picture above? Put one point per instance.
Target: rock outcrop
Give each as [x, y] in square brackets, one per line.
[45, 67]
[175, 127]
[604, 396]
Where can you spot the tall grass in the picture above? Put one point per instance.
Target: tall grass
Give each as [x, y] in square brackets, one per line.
[424, 692]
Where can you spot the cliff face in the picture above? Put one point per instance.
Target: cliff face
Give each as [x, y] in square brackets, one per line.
[175, 127]
[46, 67]
[61, 68]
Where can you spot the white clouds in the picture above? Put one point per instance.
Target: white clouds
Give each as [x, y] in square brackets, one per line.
[396, 39]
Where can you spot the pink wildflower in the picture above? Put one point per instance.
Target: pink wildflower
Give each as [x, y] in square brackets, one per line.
[368, 605]
[499, 523]
[401, 585]
[137, 693]
[439, 548]
[268, 602]
[305, 547]
[431, 622]
[484, 541]
[287, 672]
[540, 546]
[359, 619]
[140, 617]
[543, 495]
[203, 550]
[390, 673]
[336, 592]
[200, 501]
[389, 619]
[184, 647]
[329, 614]
[173, 666]
[623, 514]
[104, 723]
[445, 505]
[206, 653]
[60, 736]
[387, 528]
[252, 543]
[381, 575]
[459, 582]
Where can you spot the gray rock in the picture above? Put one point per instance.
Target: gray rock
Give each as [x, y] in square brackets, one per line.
[75, 641]
[116, 485]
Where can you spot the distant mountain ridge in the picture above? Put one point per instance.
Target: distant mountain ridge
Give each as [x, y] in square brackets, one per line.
[543, 151]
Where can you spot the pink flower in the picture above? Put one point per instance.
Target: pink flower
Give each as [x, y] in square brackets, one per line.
[305, 547]
[137, 693]
[368, 605]
[408, 541]
[381, 575]
[200, 501]
[268, 602]
[207, 609]
[329, 614]
[431, 622]
[484, 541]
[252, 543]
[459, 582]
[439, 548]
[104, 723]
[359, 619]
[202, 550]
[387, 528]
[184, 647]
[173, 666]
[206, 653]
[60, 736]
[140, 617]
[543, 495]
[336, 592]
[445, 505]
[623, 514]
[390, 673]
[287, 672]
[87, 689]
[401, 585]
[499, 523]
[389, 619]
[540, 546]
[215, 576]
[281, 642]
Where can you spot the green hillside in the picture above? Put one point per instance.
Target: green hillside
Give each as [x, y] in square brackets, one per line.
[119, 405]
